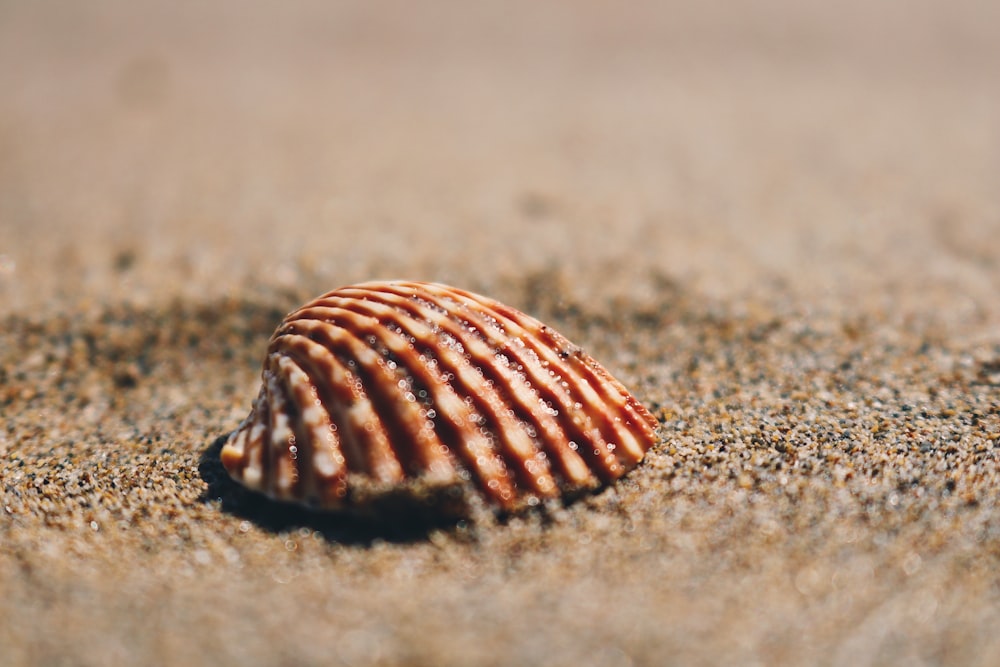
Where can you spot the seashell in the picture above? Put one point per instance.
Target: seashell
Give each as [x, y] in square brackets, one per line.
[432, 395]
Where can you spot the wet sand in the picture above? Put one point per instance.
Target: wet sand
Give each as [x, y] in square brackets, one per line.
[779, 226]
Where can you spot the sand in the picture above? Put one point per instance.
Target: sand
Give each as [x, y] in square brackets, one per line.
[779, 225]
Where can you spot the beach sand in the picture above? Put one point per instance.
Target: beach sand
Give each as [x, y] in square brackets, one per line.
[779, 225]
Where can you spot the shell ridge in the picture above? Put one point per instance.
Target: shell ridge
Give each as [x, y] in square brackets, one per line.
[572, 426]
[608, 391]
[634, 412]
[334, 379]
[244, 449]
[388, 407]
[462, 308]
[399, 414]
[466, 442]
[534, 472]
[518, 451]
[319, 463]
[276, 402]
[331, 392]
[299, 447]
[590, 440]
[572, 463]
[600, 388]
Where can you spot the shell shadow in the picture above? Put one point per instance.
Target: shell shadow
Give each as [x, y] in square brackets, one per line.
[398, 524]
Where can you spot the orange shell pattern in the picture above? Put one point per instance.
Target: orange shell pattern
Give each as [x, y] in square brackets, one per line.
[386, 383]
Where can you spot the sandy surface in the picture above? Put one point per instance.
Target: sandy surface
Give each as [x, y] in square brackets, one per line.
[780, 226]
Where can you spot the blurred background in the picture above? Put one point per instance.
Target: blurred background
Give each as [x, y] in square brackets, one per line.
[750, 150]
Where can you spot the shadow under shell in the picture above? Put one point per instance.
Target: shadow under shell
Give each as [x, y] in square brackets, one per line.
[392, 517]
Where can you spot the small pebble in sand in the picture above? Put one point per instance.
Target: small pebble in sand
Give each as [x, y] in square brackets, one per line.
[403, 394]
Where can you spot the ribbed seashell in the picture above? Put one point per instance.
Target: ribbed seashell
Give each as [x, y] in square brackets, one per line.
[431, 394]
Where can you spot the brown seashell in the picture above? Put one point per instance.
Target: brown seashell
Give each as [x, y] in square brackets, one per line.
[433, 395]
